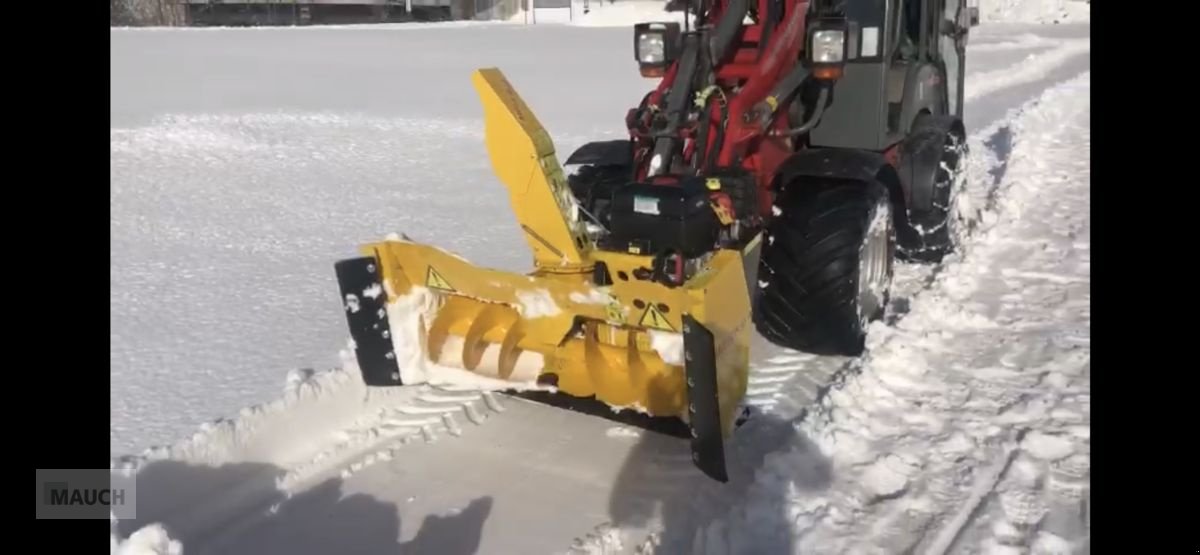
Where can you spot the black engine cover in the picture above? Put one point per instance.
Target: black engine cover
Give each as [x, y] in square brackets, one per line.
[648, 219]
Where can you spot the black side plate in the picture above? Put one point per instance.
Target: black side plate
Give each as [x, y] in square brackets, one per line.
[365, 302]
[704, 410]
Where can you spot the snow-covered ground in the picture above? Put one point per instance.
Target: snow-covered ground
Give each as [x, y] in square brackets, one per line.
[244, 162]
[1035, 11]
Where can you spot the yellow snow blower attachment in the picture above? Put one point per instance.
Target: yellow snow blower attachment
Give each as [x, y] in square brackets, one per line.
[593, 323]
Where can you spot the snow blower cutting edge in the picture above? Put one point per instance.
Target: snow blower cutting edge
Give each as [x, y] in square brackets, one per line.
[647, 270]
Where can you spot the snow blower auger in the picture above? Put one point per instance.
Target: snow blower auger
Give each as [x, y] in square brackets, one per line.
[614, 325]
[827, 135]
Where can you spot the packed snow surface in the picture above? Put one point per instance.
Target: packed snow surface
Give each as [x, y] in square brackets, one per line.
[245, 162]
[1035, 11]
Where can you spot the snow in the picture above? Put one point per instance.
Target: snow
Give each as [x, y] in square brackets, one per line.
[602, 13]
[956, 400]
[411, 315]
[537, 304]
[1035, 11]
[593, 296]
[1034, 67]
[233, 195]
[668, 345]
[373, 292]
[150, 540]
[245, 162]
[1048, 447]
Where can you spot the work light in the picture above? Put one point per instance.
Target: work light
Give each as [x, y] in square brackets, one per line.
[828, 46]
[831, 42]
[655, 46]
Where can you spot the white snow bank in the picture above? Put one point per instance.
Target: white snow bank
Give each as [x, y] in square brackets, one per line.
[149, 540]
[1034, 11]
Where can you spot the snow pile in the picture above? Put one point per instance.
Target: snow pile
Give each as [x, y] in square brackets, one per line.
[149, 540]
[1034, 11]
[967, 426]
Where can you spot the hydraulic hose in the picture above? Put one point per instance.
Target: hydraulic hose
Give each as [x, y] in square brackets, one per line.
[715, 153]
[812, 120]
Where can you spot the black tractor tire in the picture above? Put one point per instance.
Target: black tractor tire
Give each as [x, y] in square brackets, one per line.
[813, 262]
[933, 234]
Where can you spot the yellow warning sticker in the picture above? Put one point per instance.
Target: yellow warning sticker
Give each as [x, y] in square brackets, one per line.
[652, 318]
[722, 213]
[434, 280]
[614, 312]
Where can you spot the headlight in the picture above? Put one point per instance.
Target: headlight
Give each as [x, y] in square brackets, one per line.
[655, 46]
[832, 42]
[650, 49]
[829, 46]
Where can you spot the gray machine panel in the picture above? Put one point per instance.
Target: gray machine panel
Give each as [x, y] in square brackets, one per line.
[857, 117]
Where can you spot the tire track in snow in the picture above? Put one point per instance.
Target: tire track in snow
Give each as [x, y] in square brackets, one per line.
[1033, 68]
[433, 412]
[328, 425]
[1021, 42]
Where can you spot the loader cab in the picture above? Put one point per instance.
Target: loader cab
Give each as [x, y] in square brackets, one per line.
[911, 63]
[931, 47]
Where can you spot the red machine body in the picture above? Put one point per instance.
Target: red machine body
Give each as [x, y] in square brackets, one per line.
[744, 78]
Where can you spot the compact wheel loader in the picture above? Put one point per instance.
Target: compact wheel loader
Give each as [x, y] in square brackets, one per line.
[791, 152]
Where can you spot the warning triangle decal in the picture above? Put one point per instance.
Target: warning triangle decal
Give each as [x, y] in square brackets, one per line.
[655, 319]
[434, 280]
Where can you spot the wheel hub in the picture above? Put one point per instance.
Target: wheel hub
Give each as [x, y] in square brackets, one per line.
[874, 264]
